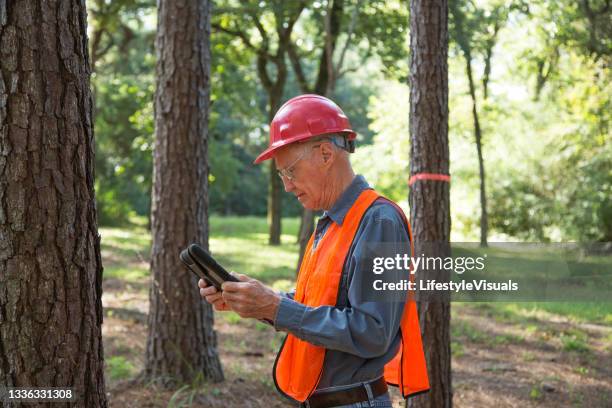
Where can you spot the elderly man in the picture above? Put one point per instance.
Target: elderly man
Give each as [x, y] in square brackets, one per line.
[342, 346]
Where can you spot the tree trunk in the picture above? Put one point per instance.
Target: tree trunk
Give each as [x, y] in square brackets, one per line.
[274, 207]
[50, 265]
[181, 344]
[275, 187]
[478, 135]
[429, 154]
[324, 85]
[306, 230]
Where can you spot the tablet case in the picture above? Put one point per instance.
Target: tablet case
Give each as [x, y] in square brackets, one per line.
[204, 266]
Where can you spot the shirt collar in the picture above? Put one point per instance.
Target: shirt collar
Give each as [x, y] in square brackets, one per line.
[347, 199]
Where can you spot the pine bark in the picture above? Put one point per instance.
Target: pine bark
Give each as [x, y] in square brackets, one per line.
[181, 344]
[50, 265]
[429, 200]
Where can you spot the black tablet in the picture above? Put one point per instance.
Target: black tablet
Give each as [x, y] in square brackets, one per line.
[204, 266]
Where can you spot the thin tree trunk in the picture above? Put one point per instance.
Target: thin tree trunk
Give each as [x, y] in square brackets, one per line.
[275, 188]
[481, 170]
[274, 88]
[324, 85]
[274, 207]
[181, 343]
[306, 230]
[429, 154]
[50, 265]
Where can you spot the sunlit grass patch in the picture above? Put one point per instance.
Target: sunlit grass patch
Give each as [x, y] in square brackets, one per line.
[574, 340]
[118, 367]
[129, 274]
[231, 317]
[241, 245]
[457, 349]
[134, 239]
[464, 330]
[533, 312]
[125, 253]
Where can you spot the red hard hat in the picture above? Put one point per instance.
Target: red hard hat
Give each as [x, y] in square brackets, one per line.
[303, 117]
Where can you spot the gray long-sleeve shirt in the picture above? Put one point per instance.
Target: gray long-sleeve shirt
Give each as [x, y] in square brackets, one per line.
[363, 336]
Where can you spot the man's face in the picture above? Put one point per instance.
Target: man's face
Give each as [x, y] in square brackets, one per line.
[306, 181]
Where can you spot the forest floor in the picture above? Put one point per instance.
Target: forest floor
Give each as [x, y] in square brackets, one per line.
[503, 355]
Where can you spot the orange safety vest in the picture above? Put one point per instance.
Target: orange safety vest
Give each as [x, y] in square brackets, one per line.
[299, 364]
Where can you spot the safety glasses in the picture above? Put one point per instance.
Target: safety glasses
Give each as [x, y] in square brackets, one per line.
[287, 172]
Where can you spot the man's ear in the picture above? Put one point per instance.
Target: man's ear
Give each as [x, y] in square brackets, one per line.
[328, 153]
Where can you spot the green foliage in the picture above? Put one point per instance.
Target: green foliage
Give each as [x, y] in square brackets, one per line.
[384, 162]
[381, 31]
[225, 167]
[123, 84]
[521, 206]
[562, 188]
[580, 25]
[124, 126]
[546, 119]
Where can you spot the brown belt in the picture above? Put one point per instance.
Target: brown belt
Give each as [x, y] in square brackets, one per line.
[358, 393]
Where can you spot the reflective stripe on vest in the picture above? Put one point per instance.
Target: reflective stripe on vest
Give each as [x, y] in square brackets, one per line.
[299, 364]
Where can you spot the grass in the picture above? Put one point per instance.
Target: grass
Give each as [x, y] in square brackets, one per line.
[126, 253]
[544, 273]
[574, 340]
[118, 367]
[534, 312]
[462, 329]
[241, 244]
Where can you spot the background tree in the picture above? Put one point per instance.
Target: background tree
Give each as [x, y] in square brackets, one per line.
[181, 344]
[563, 190]
[324, 85]
[429, 153]
[273, 22]
[372, 29]
[50, 266]
[475, 32]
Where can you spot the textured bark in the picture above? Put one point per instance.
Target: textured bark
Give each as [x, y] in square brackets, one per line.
[50, 266]
[429, 200]
[182, 343]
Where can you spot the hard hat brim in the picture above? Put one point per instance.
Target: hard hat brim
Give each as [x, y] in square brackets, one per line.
[269, 152]
[266, 154]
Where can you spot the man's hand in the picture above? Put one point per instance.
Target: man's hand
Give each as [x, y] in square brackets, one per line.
[250, 298]
[212, 296]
